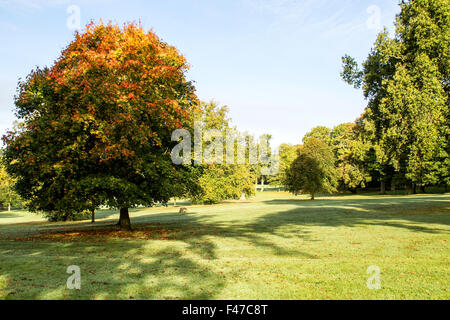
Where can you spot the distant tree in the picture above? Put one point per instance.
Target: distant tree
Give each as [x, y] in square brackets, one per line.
[99, 122]
[222, 182]
[313, 170]
[211, 115]
[219, 181]
[8, 196]
[350, 151]
[319, 132]
[264, 158]
[287, 155]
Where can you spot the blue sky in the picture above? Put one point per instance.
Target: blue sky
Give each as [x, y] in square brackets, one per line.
[275, 63]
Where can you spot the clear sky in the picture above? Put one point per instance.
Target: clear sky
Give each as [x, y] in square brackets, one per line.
[275, 63]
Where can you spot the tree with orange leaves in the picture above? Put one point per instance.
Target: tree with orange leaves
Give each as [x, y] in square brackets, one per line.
[96, 126]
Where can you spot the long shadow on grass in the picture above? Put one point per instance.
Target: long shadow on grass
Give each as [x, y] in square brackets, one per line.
[116, 269]
[121, 265]
[180, 264]
[400, 212]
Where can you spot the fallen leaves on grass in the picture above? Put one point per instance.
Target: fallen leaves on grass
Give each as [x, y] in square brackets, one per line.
[96, 235]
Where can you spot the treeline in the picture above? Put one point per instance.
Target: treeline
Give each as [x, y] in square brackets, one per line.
[327, 161]
[402, 139]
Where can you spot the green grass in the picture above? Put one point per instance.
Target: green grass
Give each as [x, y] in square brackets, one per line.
[274, 246]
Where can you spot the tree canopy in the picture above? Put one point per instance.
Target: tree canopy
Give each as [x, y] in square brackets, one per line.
[313, 170]
[406, 82]
[97, 124]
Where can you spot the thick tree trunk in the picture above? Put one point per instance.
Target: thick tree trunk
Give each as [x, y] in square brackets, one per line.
[383, 187]
[312, 196]
[414, 188]
[262, 183]
[124, 220]
[93, 216]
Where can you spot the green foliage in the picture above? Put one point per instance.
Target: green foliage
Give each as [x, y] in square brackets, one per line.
[313, 171]
[406, 82]
[221, 182]
[64, 215]
[351, 73]
[287, 155]
[217, 182]
[320, 133]
[8, 197]
[351, 152]
[212, 116]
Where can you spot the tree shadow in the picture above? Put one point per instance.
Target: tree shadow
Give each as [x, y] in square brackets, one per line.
[122, 270]
[123, 265]
[398, 212]
[5, 214]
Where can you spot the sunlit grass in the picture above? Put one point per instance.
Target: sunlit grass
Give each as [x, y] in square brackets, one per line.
[275, 246]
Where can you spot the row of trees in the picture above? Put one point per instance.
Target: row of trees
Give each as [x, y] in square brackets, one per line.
[405, 80]
[328, 161]
[403, 136]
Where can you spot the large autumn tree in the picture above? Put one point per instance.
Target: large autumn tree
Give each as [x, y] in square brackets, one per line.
[97, 124]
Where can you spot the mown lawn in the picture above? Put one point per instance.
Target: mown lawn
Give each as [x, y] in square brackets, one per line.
[274, 246]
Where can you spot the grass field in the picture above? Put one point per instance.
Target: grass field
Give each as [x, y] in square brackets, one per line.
[274, 246]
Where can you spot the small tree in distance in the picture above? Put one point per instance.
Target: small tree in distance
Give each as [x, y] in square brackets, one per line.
[313, 170]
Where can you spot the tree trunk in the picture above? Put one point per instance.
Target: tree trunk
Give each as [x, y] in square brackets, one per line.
[414, 188]
[174, 202]
[407, 188]
[124, 220]
[422, 188]
[93, 216]
[383, 187]
[9, 207]
[262, 183]
[312, 196]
